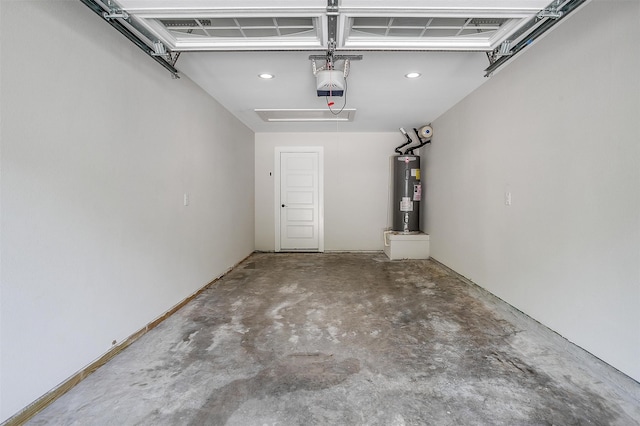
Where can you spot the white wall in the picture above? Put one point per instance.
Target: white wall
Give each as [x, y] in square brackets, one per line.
[559, 129]
[99, 144]
[356, 183]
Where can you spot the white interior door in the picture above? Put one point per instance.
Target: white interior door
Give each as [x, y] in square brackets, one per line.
[300, 218]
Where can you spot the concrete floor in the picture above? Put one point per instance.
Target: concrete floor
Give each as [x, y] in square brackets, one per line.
[337, 339]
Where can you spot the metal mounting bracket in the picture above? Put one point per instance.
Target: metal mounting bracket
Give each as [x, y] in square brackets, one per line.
[503, 50]
[550, 13]
[532, 30]
[553, 10]
[332, 33]
[332, 7]
[115, 14]
[332, 29]
[330, 59]
[160, 50]
[126, 25]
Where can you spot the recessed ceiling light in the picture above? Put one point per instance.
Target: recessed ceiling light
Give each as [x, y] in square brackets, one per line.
[266, 76]
[413, 75]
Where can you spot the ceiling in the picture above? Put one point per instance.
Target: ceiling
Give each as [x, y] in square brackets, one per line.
[376, 87]
[224, 45]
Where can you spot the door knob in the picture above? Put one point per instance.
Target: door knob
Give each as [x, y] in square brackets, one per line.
[284, 205]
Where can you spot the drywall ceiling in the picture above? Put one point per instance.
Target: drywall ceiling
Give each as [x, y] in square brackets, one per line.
[376, 87]
[223, 45]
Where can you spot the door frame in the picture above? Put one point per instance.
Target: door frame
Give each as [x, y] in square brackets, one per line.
[276, 182]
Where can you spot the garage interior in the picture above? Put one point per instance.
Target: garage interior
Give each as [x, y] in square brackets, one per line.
[348, 338]
[126, 191]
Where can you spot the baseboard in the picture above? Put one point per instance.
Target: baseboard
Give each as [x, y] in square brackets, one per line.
[319, 252]
[41, 403]
[354, 251]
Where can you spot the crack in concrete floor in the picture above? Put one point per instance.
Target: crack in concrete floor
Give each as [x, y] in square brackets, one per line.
[352, 339]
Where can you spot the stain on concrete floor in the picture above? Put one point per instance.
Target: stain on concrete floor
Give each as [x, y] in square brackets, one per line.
[317, 339]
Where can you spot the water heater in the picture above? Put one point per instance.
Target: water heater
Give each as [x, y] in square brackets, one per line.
[407, 193]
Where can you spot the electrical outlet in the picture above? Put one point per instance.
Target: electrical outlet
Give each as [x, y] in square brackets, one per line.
[507, 198]
[185, 199]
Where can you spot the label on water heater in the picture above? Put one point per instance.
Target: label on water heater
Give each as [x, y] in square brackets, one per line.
[406, 205]
[417, 192]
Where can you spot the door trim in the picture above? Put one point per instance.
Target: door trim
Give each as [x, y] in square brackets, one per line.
[276, 190]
